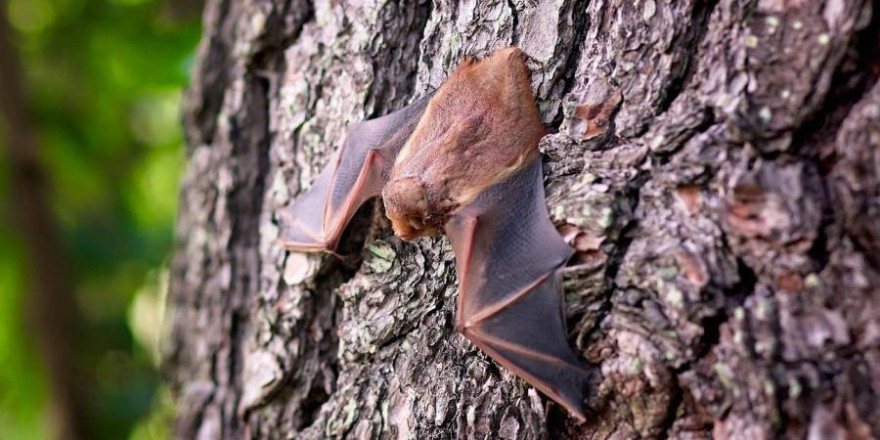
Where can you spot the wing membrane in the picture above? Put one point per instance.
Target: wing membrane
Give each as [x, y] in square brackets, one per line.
[315, 221]
[510, 302]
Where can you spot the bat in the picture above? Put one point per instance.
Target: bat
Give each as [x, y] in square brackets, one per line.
[465, 162]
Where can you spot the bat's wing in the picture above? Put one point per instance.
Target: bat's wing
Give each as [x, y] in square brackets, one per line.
[508, 256]
[316, 220]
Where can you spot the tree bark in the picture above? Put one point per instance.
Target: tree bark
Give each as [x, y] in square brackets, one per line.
[717, 159]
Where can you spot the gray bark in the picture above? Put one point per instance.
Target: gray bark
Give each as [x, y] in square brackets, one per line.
[718, 160]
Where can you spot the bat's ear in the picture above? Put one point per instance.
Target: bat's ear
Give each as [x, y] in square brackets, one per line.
[510, 63]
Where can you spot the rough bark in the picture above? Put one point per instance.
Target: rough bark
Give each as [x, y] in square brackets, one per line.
[718, 158]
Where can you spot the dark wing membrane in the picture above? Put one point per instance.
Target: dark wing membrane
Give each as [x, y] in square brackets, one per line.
[508, 256]
[315, 221]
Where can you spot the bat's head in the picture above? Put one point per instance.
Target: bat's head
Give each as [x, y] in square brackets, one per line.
[406, 205]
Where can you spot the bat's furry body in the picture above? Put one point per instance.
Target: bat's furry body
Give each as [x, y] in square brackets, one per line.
[465, 163]
[480, 127]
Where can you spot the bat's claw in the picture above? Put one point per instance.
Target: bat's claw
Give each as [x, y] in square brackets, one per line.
[335, 254]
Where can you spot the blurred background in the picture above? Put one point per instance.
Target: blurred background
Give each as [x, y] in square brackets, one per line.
[92, 153]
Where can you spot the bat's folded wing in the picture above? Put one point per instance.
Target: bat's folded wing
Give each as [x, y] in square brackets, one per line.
[508, 256]
[315, 221]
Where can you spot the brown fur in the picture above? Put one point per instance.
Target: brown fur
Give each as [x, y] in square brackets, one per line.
[480, 127]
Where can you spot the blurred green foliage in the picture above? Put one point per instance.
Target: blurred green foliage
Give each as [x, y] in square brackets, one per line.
[104, 84]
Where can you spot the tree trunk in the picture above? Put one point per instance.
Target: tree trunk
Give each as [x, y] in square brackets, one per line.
[719, 160]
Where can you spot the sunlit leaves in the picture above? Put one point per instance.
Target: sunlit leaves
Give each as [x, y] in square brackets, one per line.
[104, 80]
[31, 16]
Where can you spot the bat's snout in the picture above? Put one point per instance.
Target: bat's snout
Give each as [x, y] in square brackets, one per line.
[407, 236]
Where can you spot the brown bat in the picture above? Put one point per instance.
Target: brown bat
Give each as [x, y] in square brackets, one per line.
[465, 162]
